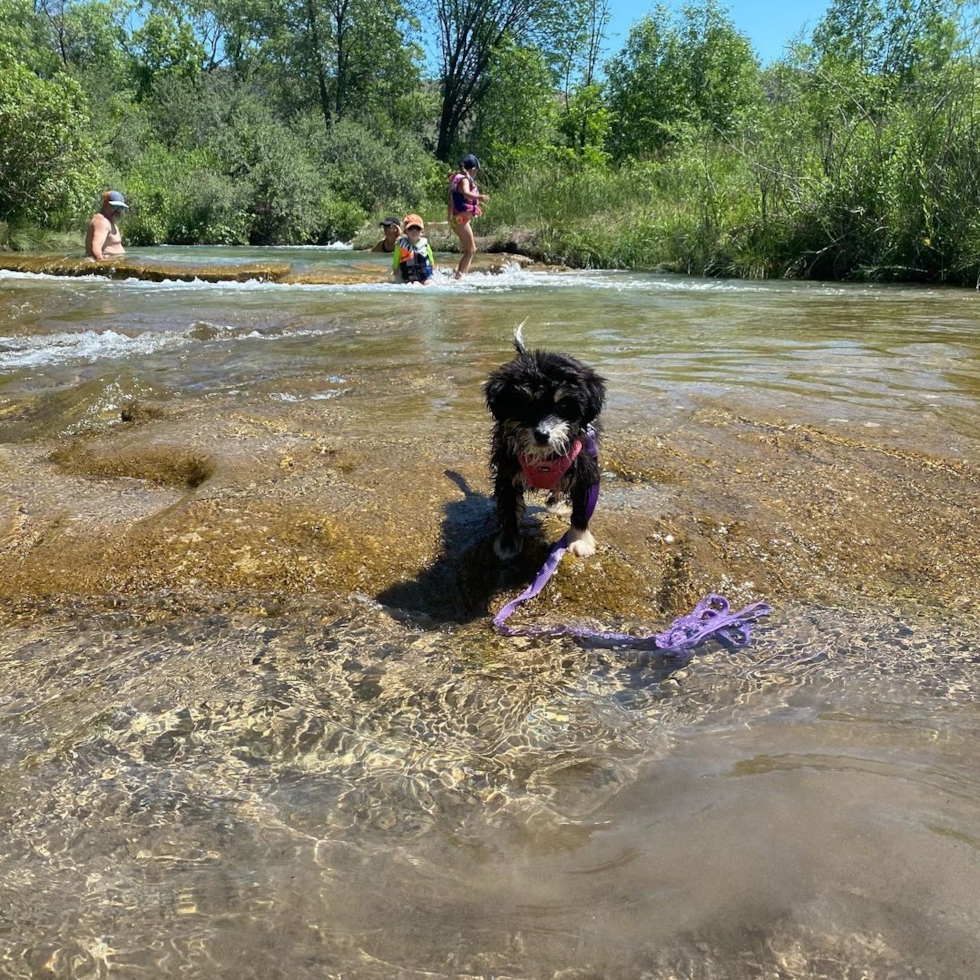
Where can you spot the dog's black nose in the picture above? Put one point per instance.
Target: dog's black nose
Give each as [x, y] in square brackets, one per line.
[541, 437]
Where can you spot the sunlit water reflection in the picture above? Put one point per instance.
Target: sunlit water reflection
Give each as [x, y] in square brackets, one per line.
[324, 787]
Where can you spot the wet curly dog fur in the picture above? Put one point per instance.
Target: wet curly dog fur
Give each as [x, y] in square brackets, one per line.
[542, 403]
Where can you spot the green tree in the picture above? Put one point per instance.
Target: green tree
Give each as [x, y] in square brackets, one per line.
[696, 69]
[367, 53]
[515, 120]
[581, 34]
[349, 58]
[165, 45]
[469, 34]
[587, 123]
[888, 38]
[89, 35]
[46, 158]
[27, 32]
[577, 37]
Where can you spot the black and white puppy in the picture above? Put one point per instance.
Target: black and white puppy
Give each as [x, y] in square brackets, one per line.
[542, 404]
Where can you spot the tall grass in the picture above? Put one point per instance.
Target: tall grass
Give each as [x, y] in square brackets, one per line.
[682, 214]
[890, 196]
[32, 238]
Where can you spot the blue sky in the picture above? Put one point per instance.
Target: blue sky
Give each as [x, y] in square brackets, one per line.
[768, 24]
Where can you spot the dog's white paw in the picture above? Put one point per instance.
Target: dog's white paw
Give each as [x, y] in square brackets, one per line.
[581, 544]
[506, 548]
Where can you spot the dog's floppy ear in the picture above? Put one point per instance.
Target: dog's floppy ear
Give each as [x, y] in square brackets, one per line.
[595, 395]
[493, 392]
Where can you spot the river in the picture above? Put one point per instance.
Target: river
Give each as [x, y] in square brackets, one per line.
[253, 720]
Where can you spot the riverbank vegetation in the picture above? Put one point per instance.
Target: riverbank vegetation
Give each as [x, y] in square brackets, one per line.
[303, 121]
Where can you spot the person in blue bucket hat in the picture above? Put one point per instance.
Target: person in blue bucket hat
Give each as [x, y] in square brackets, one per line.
[103, 239]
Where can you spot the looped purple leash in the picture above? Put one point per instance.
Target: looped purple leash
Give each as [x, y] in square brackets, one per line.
[711, 617]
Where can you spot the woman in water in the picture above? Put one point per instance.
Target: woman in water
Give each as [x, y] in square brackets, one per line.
[464, 206]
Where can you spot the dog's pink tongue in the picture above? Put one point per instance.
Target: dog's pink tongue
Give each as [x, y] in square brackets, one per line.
[547, 475]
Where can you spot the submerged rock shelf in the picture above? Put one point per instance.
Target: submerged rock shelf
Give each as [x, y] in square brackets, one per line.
[278, 272]
[150, 271]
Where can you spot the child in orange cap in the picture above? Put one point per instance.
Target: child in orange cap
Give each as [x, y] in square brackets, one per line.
[413, 261]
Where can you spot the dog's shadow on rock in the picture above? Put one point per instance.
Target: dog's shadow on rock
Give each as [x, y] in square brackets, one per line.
[459, 585]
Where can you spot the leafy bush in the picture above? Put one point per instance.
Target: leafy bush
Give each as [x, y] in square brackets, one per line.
[178, 197]
[285, 191]
[46, 158]
[338, 220]
[372, 171]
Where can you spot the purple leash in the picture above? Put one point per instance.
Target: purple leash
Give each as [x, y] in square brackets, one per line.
[712, 616]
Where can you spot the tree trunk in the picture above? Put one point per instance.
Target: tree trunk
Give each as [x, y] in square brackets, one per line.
[318, 60]
[447, 125]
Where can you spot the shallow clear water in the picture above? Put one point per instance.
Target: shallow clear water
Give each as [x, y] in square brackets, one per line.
[318, 785]
[851, 356]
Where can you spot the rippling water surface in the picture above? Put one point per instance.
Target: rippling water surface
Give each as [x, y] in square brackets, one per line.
[324, 786]
[890, 357]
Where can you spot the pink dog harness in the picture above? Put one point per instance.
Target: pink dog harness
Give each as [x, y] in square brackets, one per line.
[547, 475]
